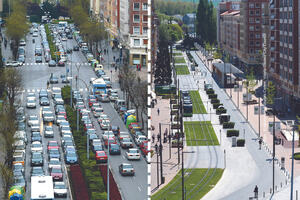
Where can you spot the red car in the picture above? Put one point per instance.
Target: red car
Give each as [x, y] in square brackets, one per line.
[111, 141]
[133, 124]
[92, 101]
[144, 147]
[101, 157]
[88, 126]
[53, 145]
[56, 173]
[62, 113]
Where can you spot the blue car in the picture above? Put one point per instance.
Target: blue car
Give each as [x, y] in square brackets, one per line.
[114, 149]
[54, 153]
[71, 157]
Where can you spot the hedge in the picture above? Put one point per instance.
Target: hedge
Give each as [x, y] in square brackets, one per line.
[240, 142]
[233, 132]
[50, 41]
[297, 156]
[228, 125]
[220, 111]
[216, 105]
[210, 91]
[214, 100]
[212, 96]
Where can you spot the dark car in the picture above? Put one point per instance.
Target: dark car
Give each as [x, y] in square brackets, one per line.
[126, 169]
[44, 101]
[52, 63]
[97, 148]
[64, 79]
[53, 79]
[38, 59]
[43, 93]
[70, 37]
[61, 63]
[115, 130]
[36, 136]
[37, 171]
[54, 153]
[114, 149]
[37, 159]
[76, 48]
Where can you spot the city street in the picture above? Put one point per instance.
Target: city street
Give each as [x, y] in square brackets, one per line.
[35, 77]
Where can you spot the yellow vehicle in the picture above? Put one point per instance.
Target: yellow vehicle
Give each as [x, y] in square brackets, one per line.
[134, 129]
[19, 157]
[98, 67]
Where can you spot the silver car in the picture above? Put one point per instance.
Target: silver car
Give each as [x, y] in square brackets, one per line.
[60, 189]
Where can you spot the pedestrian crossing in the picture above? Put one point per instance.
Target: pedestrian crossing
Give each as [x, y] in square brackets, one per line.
[43, 64]
[48, 90]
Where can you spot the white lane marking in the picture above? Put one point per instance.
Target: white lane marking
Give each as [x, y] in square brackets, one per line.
[139, 189]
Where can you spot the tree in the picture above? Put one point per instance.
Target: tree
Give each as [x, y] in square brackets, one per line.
[126, 78]
[206, 22]
[6, 174]
[12, 80]
[136, 92]
[17, 26]
[271, 91]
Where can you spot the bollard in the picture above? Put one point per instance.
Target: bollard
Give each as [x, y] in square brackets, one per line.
[264, 194]
[281, 184]
[276, 188]
[296, 194]
[286, 182]
[270, 190]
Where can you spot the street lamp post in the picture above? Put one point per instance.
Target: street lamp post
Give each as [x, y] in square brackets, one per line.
[292, 170]
[160, 153]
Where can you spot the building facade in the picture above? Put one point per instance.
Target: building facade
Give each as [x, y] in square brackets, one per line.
[229, 38]
[138, 30]
[284, 50]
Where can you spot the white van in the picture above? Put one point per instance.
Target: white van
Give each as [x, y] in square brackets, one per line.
[42, 188]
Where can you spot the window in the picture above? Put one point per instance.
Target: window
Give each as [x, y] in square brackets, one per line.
[145, 41]
[251, 5]
[251, 43]
[136, 30]
[291, 40]
[251, 12]
[257, 28]
[145, 30]
[251, 50]
[291, 15]
[251, 35]
[257, 43]
[257, 20]
[145, 18]
[251, 19]
[145, 6]
[291, 2]
[251, 28]
[136, 18]
[136, 42]
[257, 12]
[257, 36]
[136, 6]
[291, 27]
[257, 5]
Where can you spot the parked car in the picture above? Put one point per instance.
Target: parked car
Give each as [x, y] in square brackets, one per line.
[53, 79]
[31, 102]
[44, 101]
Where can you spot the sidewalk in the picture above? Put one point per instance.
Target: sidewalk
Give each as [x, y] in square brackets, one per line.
[170, 167]
[284, 150]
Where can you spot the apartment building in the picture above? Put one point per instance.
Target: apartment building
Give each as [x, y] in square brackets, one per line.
[251, 26]
[284, 50]
[229, 38]
[138, 29]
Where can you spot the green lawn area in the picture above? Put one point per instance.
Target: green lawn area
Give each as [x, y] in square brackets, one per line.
[179, 60]
[198, 107]
[200, 130]
[182, 70]
[177, 54]
[173, 190]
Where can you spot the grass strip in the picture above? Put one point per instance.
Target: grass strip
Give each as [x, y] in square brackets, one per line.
[182, 70]
[198, 106]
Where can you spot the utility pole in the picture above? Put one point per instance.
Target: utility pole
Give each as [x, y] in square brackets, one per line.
[273, 149]
[292, 170]
[182, 162]
[259, 110]
[161, 160]
[178, 133]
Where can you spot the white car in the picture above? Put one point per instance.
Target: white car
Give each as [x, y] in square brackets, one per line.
[133, 154]
[36, 147]
[114, 97]
[13, 64]
[49, 132]
[104, 98]
[54, 162]
[105, 124]
[33, 120]
[102, 117]
[35, 34]
[35, 128]
[60, 189]
[59, 119]
[46, 109]
[139, 139]
[107, 134]
[31, 103]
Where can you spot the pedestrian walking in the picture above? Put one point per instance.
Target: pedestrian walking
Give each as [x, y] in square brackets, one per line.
[114, 58]
[165, 139]
[158, 111]
[260, 142]
[166, 133]
[116, 68]
[158, 137]
[255, 192]
[48, 84]
[156, 147]
[153, 138]
[169, 138]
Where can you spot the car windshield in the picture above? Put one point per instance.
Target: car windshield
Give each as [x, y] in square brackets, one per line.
[65, 128]
[19, 179]
[53, 144]
[19, 158]
[37, 170]
[44, 99]
[18, 167]
[49, 128]
[33, 118]
[36, 155]
[59, 186]
[56, 170]
[101, 153]
[54, 151]
[48, 114]
[133, 151]
[126, 140]
[127, 166]
[36, 145]
[31, 101]
[54, 162]
[71, 154]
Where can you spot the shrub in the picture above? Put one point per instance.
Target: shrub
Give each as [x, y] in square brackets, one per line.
[176, 106]
[174, 112]
[214, 100]
[216, 105]
[233, 132]
[98, 195]
[212, 96]
[220, 111]
[240, 142]
[297, 156]
[210, 91]
[228, 125]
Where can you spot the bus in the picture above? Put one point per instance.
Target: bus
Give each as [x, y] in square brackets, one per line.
[99, 86]
[42, 188]
[187, 110]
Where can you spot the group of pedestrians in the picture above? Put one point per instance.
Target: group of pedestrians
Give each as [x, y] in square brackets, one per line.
[165, 137]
